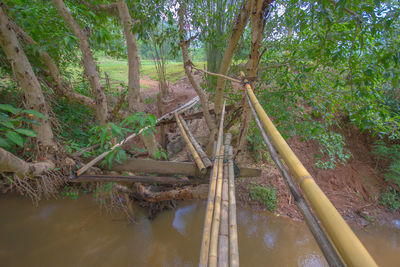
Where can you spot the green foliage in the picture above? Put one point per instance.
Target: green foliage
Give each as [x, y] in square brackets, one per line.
[391, 199]
[332, 145]
[389, 153]
[71, 192]
[75, 121]
[15, 124]
[264, 194]
[111, 133]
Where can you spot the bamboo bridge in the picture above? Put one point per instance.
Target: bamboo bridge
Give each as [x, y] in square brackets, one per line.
[219, 244]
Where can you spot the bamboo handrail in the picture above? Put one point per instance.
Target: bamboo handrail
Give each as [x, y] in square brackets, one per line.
[346, 242]
[205, 243]
[190, 146]
[323, 241]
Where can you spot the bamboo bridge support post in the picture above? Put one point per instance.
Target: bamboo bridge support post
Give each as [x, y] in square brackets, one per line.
[190, 146]
[200, 151]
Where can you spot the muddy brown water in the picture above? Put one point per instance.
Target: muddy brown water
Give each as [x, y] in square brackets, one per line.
[66, 232]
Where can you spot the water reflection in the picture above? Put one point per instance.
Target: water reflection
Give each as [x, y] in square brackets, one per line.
[76, 233]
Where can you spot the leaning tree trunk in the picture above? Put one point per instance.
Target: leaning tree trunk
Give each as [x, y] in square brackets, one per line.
[28, 82]
[134, 99]
[259, 7]
[200, 92]
[237, 31]
[88, 61]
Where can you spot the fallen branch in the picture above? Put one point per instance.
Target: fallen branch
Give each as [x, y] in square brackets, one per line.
[134, 179]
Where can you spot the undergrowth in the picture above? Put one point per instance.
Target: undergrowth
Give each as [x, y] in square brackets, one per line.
[264, 194]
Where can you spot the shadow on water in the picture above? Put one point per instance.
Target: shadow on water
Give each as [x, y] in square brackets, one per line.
[75, 233]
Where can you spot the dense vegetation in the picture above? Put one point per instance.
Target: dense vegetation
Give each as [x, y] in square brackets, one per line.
[321, 66]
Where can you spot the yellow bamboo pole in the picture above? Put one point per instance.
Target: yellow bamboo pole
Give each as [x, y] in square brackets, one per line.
[213, 256]
[191, 148]
[233, 238]
[205, 242]
[349, 246]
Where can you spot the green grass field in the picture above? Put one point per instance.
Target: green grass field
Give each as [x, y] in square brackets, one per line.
[118, 70]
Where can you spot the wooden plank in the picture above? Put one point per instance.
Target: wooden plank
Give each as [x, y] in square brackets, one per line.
[172, 167]
[134, 179]
[249, 172]
[157, 166]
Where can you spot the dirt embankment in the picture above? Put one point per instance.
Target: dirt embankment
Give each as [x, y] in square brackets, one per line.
[354, 188]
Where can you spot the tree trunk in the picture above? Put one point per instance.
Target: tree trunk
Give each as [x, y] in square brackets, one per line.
[23, 169]
[237, 31]
[187, 65]
[27, 80]
[134, 99]
[62, 86]
[259, 7]
[88, 61]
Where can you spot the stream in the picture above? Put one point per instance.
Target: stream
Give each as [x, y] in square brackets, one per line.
[65, 232]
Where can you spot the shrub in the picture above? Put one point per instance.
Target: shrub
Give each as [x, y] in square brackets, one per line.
[265, 194]
[391, 199]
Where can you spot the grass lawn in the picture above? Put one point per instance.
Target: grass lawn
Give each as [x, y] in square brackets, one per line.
[118, 70]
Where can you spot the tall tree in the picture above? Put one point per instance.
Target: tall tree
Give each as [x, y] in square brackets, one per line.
[28, 82]
[258, 20]
[88, 61]
[237, 31]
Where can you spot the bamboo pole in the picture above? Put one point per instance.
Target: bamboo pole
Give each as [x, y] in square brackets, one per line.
[223, 241]
[320, 236]
[200, 151]
[94, 161]
[346, 242]
[190, 146]
[205, 243]
[233, 239]
[213, 255]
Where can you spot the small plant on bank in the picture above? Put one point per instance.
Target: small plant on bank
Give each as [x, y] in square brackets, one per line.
[264, 194]
[391, 199]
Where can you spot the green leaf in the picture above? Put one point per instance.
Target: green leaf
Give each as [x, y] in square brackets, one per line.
[26, 132]
[15, 138]
[4, 143]
[9, 108]
[7, 124]
[35, 113]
